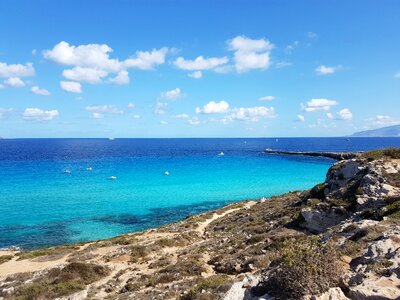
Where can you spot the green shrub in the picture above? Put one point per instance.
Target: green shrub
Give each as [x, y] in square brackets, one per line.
[5, 258]
[305, 267]
[384, 153]
[62, 282]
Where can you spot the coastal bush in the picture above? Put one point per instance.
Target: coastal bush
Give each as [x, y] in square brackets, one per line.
[384, 153]
[137, 252]
[5, 258]
[62, 281]
[61, 250]
[206, 287]
[305, 266]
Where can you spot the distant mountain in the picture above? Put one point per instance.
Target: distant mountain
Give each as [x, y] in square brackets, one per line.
[390, 131]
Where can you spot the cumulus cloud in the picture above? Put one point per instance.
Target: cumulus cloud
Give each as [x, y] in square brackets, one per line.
[345, 114]
[194, 121]
[5, 112]
[397, 75]
[37, 114]
[172, 94]
[89, 75]
[267, 98]
[301, 118]
[14, 82]
[38, 91]
[195, 74]
[71, 86]
[325, 70]
[160, 108]
[162, 122]
[111, 109]
[252, 113]
[145, 60]
[329, 115]
[131, 105]
[318, 105]
[16, 70]
[200, 63]
[182, 116]
[97, 116]
[121, 78]
[250, 53]
[92, 62]
[382, 120]
[98, 56]
[213, 107]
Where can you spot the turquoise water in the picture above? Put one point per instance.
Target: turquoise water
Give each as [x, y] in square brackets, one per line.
[40, 205]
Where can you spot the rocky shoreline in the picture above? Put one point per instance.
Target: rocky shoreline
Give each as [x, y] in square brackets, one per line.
[333, 155]
[338, 240]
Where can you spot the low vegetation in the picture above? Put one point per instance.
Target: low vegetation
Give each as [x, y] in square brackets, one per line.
[5, 258]
[384, 153]
[305, 266]
[60, 282]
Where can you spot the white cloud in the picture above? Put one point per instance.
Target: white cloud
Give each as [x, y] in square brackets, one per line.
[136, 116]
[301, 118]
[14, 82]
[1, 86]
[325, 70]
[282, 64]
[182, 116]
[131, 105]
[318, 105]
[38, 91]
[121, 78]
[329, 115]
[97, 56]
[381, 120]
[200, 63]
[267, 98]
[252, 113]
[250, 54]
[172, 94]
[71, 86]
[89, 75]
[162, 122]
[5, 112]
[16, 70]
[36, 114]
[213, 107]
[195, 74]
[97, 116]
[312, 35]
[101, 109]
[145, 60]
[194, 121]
[397, 75]
[160, 108]
[345, 114]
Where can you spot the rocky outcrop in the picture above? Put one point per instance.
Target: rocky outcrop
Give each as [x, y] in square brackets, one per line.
[333, 155]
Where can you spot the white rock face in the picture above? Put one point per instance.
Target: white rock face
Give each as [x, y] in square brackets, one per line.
[321, 220]
[331, 294]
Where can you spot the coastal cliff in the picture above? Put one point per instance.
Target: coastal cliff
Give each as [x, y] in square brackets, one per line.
[338, 240]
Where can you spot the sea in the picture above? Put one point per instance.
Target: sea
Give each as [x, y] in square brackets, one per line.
[61, 191]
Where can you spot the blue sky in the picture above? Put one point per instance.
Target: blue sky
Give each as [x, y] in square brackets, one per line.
[198, 68]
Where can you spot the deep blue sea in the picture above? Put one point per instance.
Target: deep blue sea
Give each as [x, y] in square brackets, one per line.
[41, 205]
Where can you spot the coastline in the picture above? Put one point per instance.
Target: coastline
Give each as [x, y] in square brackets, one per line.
[225, 251]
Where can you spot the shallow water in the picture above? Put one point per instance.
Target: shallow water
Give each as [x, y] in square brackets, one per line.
[41, 205]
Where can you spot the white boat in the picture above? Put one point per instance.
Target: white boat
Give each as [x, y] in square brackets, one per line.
[166, 173]
[221, 154]
[112, 178]
[276, 140]
[268, 149]
[89, 169]
[67, 171]
[111, 139]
